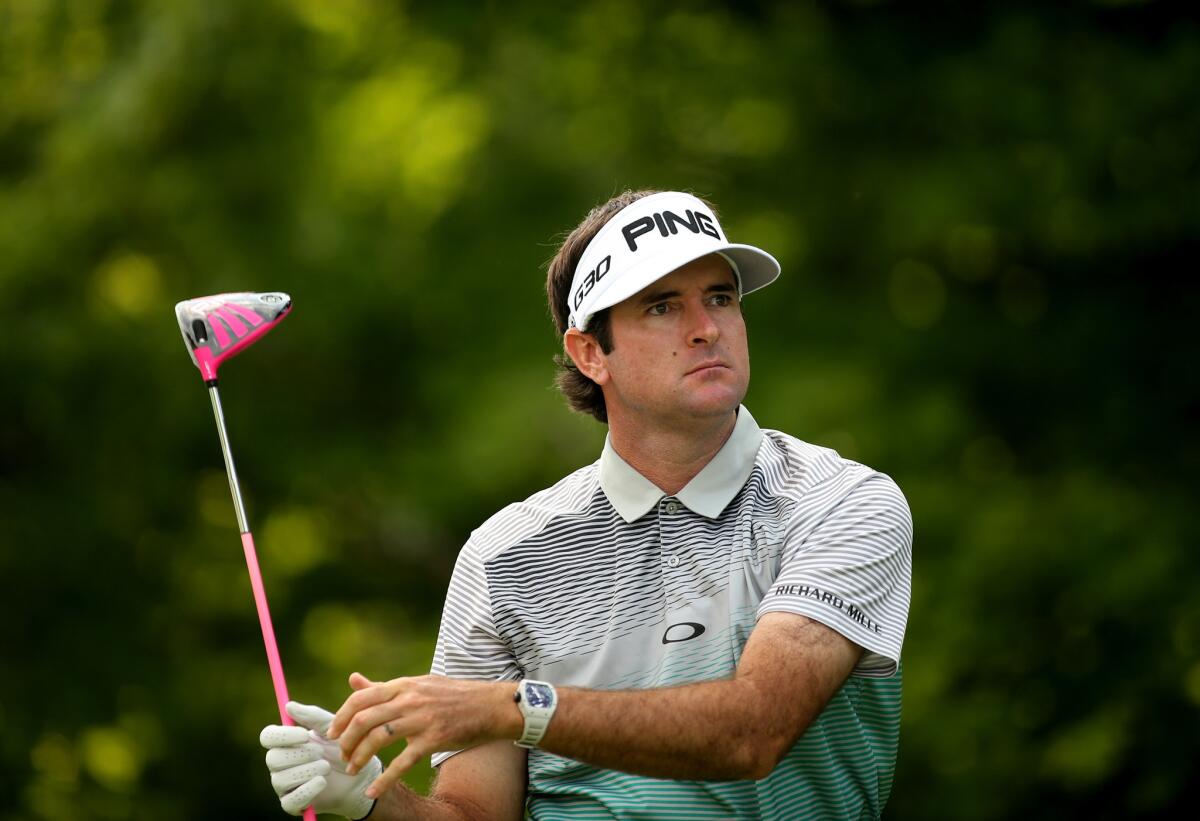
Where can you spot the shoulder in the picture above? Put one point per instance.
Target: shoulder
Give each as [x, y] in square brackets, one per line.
[571, 496]
[820, 476]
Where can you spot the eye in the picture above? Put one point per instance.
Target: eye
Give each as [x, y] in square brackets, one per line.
[657, 309]
[722, 300]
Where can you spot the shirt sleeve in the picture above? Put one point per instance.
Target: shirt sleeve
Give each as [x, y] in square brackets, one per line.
[852, 571]
[468, 645]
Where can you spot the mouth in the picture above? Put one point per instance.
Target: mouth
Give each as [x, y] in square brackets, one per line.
[705, 368]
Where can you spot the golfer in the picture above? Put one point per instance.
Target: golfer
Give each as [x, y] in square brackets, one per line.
[706, 622]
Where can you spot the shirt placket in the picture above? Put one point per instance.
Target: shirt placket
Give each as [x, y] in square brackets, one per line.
[672, 552]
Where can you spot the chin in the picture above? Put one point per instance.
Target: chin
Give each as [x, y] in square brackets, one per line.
[712, 402]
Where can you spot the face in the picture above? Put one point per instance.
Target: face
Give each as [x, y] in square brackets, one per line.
[679, 347]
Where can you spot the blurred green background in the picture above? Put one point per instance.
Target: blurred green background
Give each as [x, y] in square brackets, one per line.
[986, 214]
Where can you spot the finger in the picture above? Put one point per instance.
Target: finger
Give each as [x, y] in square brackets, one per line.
[395, 771]
[360, 682]
[375, 740]
[292, 777]
[310, 716]
[360, 700]
[384, 722]
[280, 758]
[299, 798]
[275, 735]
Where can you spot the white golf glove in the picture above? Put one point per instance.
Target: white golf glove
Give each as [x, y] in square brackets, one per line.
[307, 768]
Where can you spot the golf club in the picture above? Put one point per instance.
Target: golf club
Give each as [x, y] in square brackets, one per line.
[214, 329]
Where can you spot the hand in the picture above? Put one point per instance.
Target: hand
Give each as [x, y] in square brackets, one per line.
[433, 713]
[307, 768]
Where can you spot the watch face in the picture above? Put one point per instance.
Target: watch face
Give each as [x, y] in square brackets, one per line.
[538, 695]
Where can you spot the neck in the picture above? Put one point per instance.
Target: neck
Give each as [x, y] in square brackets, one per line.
[670, 453]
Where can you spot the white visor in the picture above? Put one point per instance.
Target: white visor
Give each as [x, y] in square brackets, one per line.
[650, 238]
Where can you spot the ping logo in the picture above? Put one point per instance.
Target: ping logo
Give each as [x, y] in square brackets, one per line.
[683, 631]
[594, 276]
[668, 223]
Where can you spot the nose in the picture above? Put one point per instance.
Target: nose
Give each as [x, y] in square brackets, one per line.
[702, 330]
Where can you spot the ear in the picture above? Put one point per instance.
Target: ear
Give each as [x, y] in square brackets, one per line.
[587, 355]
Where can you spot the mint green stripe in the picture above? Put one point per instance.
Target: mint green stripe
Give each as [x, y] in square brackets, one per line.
[842, 767]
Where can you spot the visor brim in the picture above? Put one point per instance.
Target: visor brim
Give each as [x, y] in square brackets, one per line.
[754, 268]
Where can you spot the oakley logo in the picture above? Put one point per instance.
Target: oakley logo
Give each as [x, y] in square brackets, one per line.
[594, 276]
[687, 631]
[668, 223]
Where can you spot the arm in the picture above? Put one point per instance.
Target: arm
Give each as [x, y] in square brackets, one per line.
[485, 783]
[732, 729]
[737, 728]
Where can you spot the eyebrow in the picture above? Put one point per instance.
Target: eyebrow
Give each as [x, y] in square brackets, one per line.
[659, 296]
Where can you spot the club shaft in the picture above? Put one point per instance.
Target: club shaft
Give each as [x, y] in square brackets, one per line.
[238, 507]
[274, 662]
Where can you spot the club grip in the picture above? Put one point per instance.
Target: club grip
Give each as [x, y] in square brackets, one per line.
[268, 634]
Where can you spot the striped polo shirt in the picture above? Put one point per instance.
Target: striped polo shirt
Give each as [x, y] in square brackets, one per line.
[603, 581]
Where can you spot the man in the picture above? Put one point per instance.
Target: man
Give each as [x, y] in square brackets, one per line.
[705, 623]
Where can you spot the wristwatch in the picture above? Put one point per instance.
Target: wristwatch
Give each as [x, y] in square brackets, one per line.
[537, 700]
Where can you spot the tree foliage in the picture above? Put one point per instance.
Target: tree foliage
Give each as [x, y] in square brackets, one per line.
[984, 212]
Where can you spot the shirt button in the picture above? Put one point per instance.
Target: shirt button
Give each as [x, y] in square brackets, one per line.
[672, 507]
[673, 561]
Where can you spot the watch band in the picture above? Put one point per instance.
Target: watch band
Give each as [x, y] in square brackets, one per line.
[537, 701]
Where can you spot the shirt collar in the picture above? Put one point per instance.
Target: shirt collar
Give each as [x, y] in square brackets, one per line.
[709, 491]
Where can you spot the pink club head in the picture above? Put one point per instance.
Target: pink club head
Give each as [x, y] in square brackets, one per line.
[216, 327]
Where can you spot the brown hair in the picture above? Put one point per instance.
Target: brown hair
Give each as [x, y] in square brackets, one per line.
[583, 394]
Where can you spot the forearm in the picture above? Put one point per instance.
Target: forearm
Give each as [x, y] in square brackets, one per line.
[730, 729]
[402, 804]
[718, 730]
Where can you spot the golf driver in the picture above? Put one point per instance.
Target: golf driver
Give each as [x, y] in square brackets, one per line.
[214, 329]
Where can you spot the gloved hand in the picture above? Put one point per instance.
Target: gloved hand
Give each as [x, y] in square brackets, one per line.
[307, 768]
